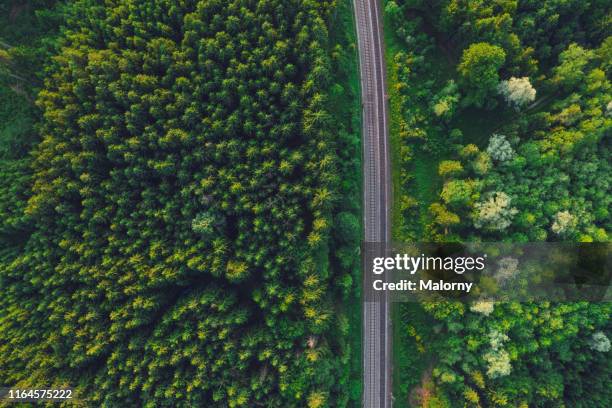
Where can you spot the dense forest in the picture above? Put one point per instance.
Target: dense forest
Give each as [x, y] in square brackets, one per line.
[180, 197]
[502, 117]
[179, 201]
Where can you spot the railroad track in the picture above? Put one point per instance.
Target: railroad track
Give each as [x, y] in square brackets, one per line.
[377, 357]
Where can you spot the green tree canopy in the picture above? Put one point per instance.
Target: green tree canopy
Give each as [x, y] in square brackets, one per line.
[479, 72]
